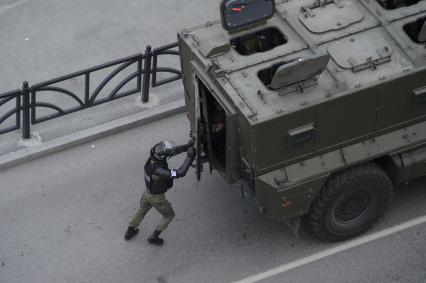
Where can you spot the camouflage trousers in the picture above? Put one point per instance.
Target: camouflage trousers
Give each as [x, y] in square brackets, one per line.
[160, 203]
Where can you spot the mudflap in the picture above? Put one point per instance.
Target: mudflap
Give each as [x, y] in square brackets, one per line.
[294, 225]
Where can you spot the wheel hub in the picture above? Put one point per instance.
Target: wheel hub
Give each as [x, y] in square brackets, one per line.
[352, 206]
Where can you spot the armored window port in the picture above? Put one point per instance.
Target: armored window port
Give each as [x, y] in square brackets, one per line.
[416, 30]
[301, 135]
[420, 96]
[260, 41]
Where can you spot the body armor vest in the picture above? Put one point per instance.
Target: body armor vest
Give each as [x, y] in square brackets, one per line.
[155, 182]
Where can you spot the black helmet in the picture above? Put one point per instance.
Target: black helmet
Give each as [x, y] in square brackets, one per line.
[162, 150]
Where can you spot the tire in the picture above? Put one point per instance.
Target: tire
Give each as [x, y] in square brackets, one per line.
[350, 203]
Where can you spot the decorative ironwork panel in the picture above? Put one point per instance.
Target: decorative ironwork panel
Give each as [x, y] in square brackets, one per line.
[86, 88]
[86, 97]
[165, 50]
[10, 111]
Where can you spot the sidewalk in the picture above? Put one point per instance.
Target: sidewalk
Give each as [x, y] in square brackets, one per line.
[27, 150]
[45, 39]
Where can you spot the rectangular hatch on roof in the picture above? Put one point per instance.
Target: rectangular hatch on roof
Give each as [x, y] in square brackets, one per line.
[259, 41]
[237, 14]
[294, 75]
[416, 30]
[394, 4]
[329, 15]
[361, 52]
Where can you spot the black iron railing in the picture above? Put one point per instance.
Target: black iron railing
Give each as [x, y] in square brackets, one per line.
[90, 98]
[144, 76]
[164, 50]
[15, 111]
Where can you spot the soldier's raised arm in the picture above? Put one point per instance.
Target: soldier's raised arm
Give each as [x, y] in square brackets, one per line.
[181, 148]
[190, 156]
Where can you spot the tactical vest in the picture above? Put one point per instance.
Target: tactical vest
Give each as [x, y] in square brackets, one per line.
[156, 184]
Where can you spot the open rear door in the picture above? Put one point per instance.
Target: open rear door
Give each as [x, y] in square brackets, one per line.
[207, 128]
[197, 131]
[202, 129]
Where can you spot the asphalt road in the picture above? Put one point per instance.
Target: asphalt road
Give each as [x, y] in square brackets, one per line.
[63, 218]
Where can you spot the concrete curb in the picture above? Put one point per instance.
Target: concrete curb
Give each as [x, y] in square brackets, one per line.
[93, 133]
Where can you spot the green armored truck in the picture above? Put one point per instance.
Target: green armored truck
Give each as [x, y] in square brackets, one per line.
[316, 108]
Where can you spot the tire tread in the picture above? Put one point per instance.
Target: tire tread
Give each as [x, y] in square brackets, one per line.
[338, 182]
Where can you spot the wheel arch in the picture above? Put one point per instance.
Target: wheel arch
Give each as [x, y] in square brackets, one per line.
[387, 164]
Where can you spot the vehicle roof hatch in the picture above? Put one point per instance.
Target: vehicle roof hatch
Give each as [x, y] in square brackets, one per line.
[422, 34]
[301, 71]
[329, 15]
[238, 14]
[361, 53]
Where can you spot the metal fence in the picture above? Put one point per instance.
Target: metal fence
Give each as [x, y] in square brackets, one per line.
[26, 100]
[5, 98]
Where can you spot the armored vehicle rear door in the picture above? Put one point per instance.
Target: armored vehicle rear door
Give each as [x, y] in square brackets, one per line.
[202, 129]
[197, 133]
[215, 130]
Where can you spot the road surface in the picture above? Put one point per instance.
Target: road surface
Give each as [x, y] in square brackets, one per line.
[63, 219]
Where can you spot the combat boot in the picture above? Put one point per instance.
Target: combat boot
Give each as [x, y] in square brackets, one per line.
[130, 233]
[154, 239]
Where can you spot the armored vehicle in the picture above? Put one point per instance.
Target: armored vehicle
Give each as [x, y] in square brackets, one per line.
[318, 107]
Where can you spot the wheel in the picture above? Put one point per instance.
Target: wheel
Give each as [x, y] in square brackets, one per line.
[350, 202]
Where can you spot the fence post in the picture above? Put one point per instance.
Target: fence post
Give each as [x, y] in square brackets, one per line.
[26, 130]
[147, 74]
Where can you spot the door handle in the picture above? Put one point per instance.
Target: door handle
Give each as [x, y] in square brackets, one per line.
[420, 95]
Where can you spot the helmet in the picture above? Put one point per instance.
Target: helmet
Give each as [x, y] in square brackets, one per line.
[162, 150]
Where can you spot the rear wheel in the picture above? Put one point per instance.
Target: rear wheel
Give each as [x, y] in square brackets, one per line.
[350, 202]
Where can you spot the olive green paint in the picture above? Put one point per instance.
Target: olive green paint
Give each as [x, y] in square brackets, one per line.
[343, 118]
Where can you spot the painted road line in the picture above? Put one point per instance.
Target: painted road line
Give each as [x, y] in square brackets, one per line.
[335, 250]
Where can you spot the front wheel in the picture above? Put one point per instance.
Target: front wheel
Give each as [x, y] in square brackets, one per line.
[350, 202]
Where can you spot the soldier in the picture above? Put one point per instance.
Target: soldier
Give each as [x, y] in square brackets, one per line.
[159, 179]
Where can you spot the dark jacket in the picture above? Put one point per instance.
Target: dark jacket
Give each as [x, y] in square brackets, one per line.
[159, 177]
